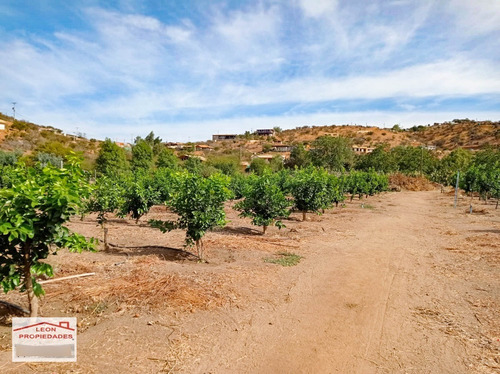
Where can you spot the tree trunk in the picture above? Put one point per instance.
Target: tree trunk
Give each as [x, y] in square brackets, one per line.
[105, 230]
[304, 215]
[199, 249]
[336, 204]
[264, 228]
[28, 281]
[497, 204]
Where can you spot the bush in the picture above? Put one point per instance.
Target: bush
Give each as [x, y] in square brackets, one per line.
[259, 166]
[199, 202]
[33, 214]
[264, 202]
[309, 190]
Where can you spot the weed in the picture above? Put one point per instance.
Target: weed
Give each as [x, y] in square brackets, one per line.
[284, 259]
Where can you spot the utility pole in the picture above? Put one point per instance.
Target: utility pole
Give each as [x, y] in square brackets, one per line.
[14, 109]
[421, 159]
[456, 192]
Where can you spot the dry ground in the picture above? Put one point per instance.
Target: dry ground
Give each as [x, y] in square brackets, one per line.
[406, 284]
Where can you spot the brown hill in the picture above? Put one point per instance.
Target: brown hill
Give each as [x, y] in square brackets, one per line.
[28, 137]
[460, 133]
[443, 137]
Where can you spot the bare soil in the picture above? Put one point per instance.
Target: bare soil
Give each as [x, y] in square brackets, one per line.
[399, 283]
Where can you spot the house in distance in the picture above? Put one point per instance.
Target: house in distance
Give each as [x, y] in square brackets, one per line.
[223, 137]
[265, 132]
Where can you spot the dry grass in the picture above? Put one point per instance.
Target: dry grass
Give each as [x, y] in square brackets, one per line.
[142, 287]
[141, 282]
[408, 183]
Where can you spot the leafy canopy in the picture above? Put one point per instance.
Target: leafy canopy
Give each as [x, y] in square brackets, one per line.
[111, 160]
[199, 202]
[264, 201]
[33, 211]
[332, 153]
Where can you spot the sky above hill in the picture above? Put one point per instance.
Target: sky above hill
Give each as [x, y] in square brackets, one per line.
[190, 69]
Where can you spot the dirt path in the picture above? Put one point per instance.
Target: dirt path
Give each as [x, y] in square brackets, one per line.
[358, 303]
[406, 285]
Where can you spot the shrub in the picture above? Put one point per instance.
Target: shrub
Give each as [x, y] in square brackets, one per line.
[264, 202]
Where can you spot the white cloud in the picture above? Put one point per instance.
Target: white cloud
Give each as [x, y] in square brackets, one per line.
[476, 17]
[127, 69]
[318, 8]
[445, 78]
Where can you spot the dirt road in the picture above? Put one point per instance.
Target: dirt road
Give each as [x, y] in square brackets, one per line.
[406, 285]
[381, 297]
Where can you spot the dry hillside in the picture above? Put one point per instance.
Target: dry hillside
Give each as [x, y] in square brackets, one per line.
[29, 137]
[445, 136]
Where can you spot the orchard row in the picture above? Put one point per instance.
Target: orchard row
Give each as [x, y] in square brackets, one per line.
[199, 201]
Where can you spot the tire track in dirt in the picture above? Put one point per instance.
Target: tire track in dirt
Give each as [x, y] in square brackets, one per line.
[349, 309]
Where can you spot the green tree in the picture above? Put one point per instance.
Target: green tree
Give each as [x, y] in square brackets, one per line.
[276, 163]
[483, 175]
[446, 169]
[309, 190]
[111, 159]
[9, 158]
[227, 164]
[414, 160]
[140, 195]
[49, 158]
[107, 197]
[380, 159]
[54, 148]
[259, 166]
[335, 190]
[165, 183]
[332, 153]
[299, 157]
[154, 142]
[142, 155]
[167, 159]
[239, 185]
[267, 148]
[193, 165]
[199, 202]
[264, 202]
[33, 212]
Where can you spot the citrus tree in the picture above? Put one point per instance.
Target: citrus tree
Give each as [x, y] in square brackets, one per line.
[335, 190]
[33, 211]
[107, 197]
[199, 202]
[111, 159]
[309, 190]
[140, 195]
[264, 202]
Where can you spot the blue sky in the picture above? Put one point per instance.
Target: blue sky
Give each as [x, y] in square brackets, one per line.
[188, 69]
